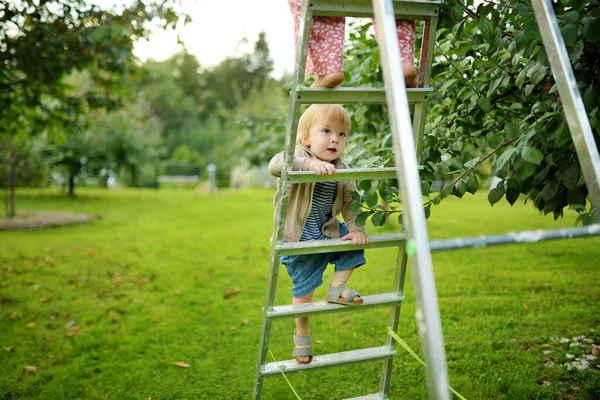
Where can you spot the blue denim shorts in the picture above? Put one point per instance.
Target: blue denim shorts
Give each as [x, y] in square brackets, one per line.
[307, 270]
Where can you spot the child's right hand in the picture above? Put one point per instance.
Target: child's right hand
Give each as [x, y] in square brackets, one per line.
[322, 167]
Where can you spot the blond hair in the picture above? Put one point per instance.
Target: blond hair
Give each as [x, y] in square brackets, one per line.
[319, 112]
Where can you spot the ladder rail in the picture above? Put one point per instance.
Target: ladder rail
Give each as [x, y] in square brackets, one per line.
[394, 319]
[281, 204]
[577, 120]
[427, 314]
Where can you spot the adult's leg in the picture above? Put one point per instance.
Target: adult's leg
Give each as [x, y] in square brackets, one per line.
[406, 43]
[325, 46]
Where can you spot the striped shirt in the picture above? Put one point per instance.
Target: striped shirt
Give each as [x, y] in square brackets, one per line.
[322, 203]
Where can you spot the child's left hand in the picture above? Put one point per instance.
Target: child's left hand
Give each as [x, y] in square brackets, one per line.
[357, 237]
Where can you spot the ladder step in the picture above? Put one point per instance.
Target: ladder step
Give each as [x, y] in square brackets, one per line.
[323, 307]
[514, 238]
[374, 396]
[348, 95]
[332, 245]
[351, 174]
[403, 9]
[329, 360]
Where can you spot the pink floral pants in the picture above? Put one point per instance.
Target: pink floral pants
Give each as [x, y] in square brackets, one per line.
[327, 39]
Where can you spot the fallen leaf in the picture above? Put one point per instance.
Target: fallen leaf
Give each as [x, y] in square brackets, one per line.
[245, 321]
[53, 326]
[89, 252]
[9, 349]
[30, 325]
[51, 356]
[227, 293]
[181, 364]
[13, 315]
[30, 368]
[232, 328]
[319, 341]
[66, 315]
[178, 293]
[5, 300]
[525, 306]
[47, 338]
[45, 299]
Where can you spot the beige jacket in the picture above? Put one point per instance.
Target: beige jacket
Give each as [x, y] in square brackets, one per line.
[300, 199]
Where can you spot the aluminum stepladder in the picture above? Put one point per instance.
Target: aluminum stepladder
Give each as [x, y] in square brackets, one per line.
[414, 244]
[386, 12]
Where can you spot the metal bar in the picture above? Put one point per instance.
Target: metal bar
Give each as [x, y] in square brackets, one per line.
[575, 113]
[349, 95]
[374, 396]
[333, 245]
[284, 192]
[399, 276]
[323, 307]
[329, 360]
[427, 313]
[407, 10]
[343, 175]
[427, 48]
[514, 238]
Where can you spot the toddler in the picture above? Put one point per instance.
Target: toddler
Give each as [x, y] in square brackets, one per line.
[312, 215]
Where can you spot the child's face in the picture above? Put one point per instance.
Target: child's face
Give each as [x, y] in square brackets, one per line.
[327, 139]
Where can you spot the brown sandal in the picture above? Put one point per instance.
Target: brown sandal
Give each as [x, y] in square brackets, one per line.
[334, 295]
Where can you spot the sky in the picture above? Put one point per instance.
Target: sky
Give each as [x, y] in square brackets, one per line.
[218, 26]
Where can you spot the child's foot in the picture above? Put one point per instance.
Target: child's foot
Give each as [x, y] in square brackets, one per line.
[410, 74]
[303, 349]
[329, 80]
[342, 295]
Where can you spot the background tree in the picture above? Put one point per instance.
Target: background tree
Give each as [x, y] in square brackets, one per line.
[43, 42]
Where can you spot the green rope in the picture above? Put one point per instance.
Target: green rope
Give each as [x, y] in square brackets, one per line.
[285, 377]
[416, 357]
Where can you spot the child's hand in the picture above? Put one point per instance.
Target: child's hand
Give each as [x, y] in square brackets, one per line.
[357, 237]
[322, 167]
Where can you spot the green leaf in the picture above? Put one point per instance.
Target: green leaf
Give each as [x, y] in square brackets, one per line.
[537, 73]
[576, 197]
[494, 86]
[496, 194]
[365, 185]
[372, 199]
[427, 211]
[569, 34]
[471, 183]
[523, 9]
[591, 27]
[563, 135]
[354, 207]
[425, 188]
[362, 218]
[459, 189]
[512, 129]
[400, 219]
[445, 192]
[504, 158]
[378, 218]
[355, 196]
[485, 104]
[549, 191]
[541, 176]
[571, 176]
[532, 155]
[512, 195]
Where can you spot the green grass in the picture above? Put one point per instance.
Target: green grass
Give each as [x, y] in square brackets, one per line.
[145, 287]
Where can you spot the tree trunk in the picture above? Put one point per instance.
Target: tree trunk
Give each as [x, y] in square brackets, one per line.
[71, 185]
[13, 180]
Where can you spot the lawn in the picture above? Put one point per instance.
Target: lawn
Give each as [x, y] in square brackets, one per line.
[103, 310]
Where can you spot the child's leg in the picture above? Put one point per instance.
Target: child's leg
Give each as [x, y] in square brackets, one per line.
[302, 327]
[325, 45]
[406, 42]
